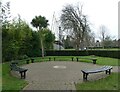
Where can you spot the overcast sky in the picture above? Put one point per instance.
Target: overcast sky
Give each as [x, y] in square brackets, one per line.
[99, 12]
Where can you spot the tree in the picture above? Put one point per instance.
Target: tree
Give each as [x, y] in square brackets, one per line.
[103, 34]
[40, 23]
[49, 38]
[119, 43]
[34, 45]
[67, 43]
[89, 39]
[16, 40]
[5, 12]
[108, 41]
[73, 20]
[9, 46]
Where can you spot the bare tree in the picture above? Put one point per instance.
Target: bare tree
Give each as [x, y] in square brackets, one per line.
[5, 12]
[103, 34]
[90, 39]
[74, 21]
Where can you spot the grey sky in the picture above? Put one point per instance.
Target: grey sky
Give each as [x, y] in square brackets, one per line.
[98, 11]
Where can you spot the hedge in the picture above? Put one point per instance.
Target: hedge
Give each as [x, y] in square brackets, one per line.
[66, 53]
[102, 53]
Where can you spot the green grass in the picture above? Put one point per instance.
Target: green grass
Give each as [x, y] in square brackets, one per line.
[9, 82]
[109, 83]
[107, 61]
[100, 60]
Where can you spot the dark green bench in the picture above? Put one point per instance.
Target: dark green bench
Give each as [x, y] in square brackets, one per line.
[22, 71]
[107, 69]
[93, 59]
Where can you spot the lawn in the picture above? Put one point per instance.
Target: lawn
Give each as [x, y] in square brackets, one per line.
[100, 60]
[9, 82]
[109, 83]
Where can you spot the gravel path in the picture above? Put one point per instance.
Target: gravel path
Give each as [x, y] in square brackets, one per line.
[56, 75]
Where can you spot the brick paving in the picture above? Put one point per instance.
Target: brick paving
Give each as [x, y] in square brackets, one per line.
[43, 76]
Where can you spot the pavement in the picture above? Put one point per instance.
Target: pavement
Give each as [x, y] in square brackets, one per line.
[59, 75]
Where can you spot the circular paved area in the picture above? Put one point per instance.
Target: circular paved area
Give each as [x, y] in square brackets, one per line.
[58, 75]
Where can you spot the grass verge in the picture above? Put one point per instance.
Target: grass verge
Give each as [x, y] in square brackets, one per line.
[109, 83]
[9, 82]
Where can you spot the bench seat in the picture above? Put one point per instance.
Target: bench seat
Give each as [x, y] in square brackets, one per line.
[22, 71]
[107, 69]
[93, 59]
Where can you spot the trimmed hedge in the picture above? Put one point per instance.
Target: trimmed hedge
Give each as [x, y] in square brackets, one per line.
[105, 53]
[102, 53]
[66, 53]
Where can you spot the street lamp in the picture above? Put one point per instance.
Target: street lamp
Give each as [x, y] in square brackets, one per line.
[59, 37]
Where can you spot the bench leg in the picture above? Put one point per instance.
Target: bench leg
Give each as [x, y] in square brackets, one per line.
[32, 61]
[72, 58]
[54, 58]
[77, 59]
[108, 71]
[23, 75]
[94, 61]
[49, 59]
[85, 76]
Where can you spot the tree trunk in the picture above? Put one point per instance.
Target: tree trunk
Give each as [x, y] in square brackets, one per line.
[78, 44]
[42, 48]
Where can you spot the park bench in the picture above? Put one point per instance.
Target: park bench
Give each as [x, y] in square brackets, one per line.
[93, 59]
[55, 58]
[107, 69]
[22, 71]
